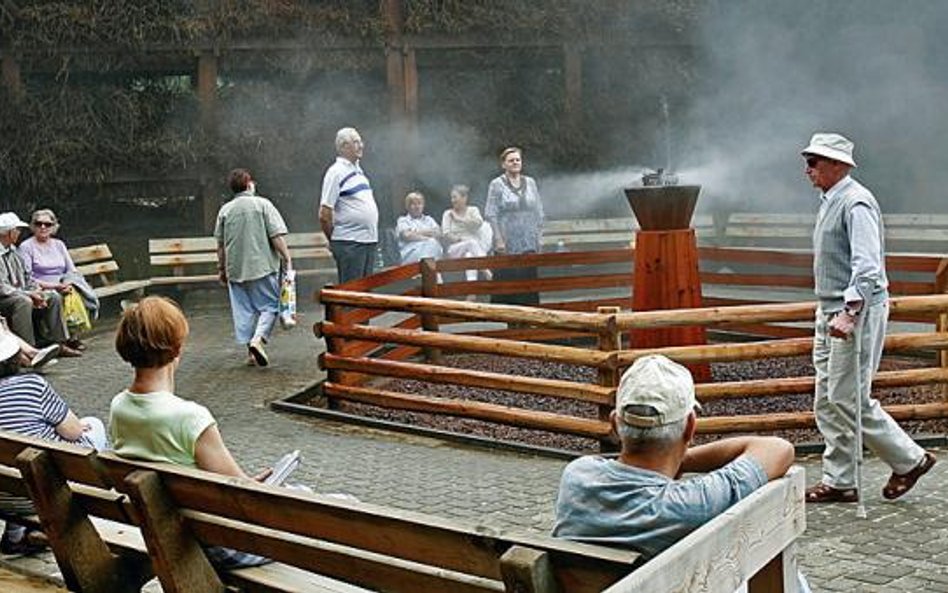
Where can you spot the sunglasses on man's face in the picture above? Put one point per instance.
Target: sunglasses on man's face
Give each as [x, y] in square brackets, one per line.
[812, 161]
[44, 224]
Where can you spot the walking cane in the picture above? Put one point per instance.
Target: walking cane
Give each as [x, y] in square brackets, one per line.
[857, 335]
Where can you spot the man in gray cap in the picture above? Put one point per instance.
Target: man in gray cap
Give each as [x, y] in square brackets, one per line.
[638, 500]
[27, 308]
[852, 291]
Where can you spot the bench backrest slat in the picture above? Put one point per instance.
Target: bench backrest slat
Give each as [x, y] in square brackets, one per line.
[91, 253]
[404, 535]
[182, 245]
[362, 568]
[106, 267]
[194, 259]
[74, 461]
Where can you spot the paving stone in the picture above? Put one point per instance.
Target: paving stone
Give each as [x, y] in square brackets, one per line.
[894, 571]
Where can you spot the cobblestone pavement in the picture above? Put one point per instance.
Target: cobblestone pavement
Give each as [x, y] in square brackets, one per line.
[903, 546]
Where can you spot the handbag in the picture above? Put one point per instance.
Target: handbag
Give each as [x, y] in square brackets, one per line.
[288, 299]
[75, 313]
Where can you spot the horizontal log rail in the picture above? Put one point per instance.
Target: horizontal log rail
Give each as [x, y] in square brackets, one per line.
[763, 280]
[401, 353]
[562, 283]
[795, 420]
[508, 415]
[897, 262]
[353, 316]
[532, 335]
[543, 260]
[709, 392]
[553, 284]
[468, 343]
[479, 379]
[801, 311]
[469, 311]
[571, 258]
[363, 348]
[717, 315]
[587, 427]
[773, 349]
[382, 278]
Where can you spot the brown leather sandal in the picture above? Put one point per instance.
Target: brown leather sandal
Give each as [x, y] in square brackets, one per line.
[823, 493]
[899, 484]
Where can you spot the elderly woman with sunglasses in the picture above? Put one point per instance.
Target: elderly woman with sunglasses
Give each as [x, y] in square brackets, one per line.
[50, 265]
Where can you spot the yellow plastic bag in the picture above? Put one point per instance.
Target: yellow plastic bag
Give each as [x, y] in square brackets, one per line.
[75, 312]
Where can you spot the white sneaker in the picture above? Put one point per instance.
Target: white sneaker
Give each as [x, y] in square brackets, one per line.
[258, 353]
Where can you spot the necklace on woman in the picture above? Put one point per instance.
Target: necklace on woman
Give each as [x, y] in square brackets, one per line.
[517, 189]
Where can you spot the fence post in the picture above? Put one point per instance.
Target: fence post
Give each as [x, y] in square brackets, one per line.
[941, 322]
[609, 340]
[429, 289]
[334, 345]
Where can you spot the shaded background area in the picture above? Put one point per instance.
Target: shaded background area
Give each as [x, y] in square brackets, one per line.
[125, 116]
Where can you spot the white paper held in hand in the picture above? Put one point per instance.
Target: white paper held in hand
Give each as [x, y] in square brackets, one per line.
[283, 468]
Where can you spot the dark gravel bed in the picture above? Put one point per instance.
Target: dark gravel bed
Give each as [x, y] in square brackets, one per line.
[761, 369]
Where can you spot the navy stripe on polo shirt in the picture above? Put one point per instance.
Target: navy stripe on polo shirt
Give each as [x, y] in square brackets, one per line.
[29, 406]
[354, 190]
[348, 177]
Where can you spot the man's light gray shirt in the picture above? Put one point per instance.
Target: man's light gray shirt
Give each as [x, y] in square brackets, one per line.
[604, 501]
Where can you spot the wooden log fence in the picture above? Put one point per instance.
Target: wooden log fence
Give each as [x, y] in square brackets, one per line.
[362, 358]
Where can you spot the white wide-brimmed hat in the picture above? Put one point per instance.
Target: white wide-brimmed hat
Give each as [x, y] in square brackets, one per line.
[832, 146]
[9, 220]
[659, 383]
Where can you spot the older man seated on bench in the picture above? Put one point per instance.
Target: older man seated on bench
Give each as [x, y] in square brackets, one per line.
[640, 500]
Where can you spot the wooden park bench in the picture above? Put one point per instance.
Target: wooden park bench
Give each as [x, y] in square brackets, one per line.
[192, 261]
[605, 233]
[100, 270]
[925, 233]
[92, 505]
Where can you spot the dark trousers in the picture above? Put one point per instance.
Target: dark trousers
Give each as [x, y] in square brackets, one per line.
[353, 260]
[29, 323]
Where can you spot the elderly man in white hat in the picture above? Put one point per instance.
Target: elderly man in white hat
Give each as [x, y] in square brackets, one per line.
[638, 500]
[28, 309]
[852, 292]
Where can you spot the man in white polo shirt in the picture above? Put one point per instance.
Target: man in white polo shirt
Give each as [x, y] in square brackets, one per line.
[348, 214]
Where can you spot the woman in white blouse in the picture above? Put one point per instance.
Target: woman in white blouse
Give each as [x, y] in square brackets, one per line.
[463, 230]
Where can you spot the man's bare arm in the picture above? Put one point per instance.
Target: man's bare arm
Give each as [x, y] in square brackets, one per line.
[279, 243]
[221, 264]
[774, 454]
[325, 221]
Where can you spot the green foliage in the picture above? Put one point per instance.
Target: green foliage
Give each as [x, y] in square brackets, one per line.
[108, 89]
[63, 136]
[57, 24]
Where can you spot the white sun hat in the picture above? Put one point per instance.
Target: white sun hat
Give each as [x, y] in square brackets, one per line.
[832, 146]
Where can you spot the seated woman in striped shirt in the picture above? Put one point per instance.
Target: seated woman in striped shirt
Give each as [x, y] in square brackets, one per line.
[31, 407]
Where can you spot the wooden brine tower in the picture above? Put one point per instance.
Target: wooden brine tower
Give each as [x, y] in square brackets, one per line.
[666, 261]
